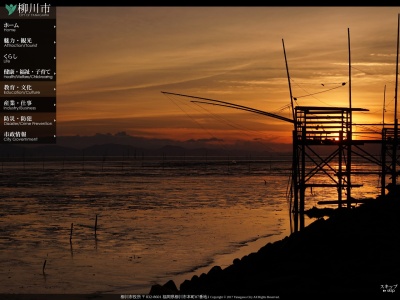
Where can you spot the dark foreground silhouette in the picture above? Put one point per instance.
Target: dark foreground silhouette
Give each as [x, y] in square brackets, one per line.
[354, 254]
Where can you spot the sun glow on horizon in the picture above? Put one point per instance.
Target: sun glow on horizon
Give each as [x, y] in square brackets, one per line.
[232, 54]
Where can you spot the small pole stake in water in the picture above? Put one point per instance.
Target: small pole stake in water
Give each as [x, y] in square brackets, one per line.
[44, 266]
[70, 235]
[95, 227]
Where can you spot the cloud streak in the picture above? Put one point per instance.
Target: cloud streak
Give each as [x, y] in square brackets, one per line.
[113, 63]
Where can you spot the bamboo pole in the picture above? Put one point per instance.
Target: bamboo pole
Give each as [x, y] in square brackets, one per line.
[95, 227]
[70, 235]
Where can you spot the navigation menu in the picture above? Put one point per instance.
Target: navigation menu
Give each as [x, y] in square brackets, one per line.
[28, 80]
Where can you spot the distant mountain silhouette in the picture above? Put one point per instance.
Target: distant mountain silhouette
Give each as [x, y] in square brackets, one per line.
[124, 145]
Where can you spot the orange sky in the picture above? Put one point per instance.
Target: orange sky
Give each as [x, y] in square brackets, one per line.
[113, 63]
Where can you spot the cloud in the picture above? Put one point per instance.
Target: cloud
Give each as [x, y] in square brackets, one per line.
[113, 63]
[205, 140]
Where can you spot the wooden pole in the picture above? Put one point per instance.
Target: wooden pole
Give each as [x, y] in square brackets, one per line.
[303, 174]
[383, 147]
[288, 77]
[70, 234]
[384, 107]
[395, 142]
[349, 131]
[95, 227]
[295, 187]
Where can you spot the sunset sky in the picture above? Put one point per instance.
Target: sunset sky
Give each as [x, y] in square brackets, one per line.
[113, 63]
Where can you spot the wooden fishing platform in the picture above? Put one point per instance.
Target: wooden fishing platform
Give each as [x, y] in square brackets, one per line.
[321, 129]
[329, 130]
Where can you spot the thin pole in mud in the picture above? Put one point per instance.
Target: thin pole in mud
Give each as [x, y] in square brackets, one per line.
[70, 235]
[95, 227]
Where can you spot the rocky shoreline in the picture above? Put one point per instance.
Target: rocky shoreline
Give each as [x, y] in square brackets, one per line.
[355, 253]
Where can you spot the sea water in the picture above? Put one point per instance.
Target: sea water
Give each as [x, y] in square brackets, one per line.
[157, 220]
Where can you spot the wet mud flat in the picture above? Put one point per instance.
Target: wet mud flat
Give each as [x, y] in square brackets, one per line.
[353, 253]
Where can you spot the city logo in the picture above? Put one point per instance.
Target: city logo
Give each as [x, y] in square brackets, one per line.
[11, 8]
[388, 288]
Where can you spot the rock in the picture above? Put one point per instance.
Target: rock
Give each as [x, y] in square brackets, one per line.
[167, 289]
[185, 286]
[159, 290]
[170, 285]
[214, 271]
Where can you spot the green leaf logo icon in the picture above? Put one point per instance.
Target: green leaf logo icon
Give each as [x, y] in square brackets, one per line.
[11, 8]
